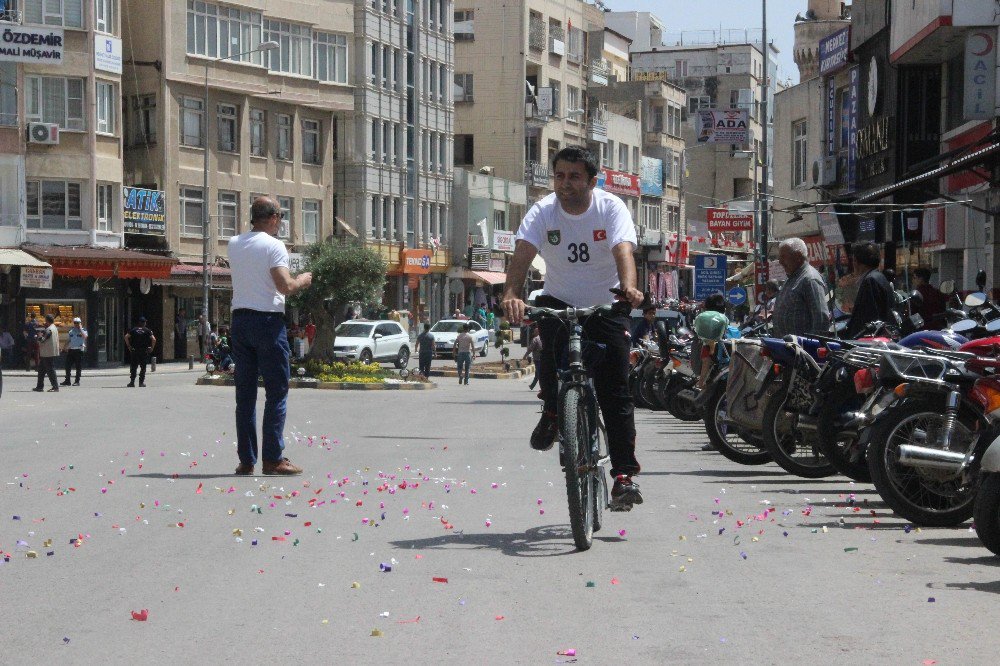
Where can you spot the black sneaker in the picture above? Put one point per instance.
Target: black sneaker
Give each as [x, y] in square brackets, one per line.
[131, 385]
[544, 434]
[63, 383]
[625, 493]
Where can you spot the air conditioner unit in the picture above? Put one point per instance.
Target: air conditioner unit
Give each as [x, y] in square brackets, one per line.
[824, 171]
[47, 133]
[284, 231]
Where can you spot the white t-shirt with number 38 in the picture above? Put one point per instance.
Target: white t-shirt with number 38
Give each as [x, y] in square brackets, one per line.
[579, 265]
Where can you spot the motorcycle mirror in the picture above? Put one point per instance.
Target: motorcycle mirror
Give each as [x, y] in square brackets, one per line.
[948, 286]
[963, 326]
[981, 279]
[684, 330]
[916, 300]
[993, 326]
[975, 299]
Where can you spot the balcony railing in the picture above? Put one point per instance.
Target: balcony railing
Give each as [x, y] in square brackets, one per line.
[597, 130]
[11, 16]
[536, 34]
[536, 174]
[599, 72]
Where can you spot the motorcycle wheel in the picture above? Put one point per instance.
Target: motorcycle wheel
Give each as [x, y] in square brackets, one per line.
[794, 451]
[725, 438]
[679, 408]
[986, 515]
[647, 388]
[634, 382]
[840, 448]
[927, 497]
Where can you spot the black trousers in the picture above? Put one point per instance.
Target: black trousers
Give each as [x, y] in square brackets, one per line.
[46, 367]
[180, 347]
[139, 360]
[424, 364]
[74, 359]
[610, 378]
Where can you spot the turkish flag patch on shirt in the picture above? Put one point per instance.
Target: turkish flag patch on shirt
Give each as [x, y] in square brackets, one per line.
[600, 235]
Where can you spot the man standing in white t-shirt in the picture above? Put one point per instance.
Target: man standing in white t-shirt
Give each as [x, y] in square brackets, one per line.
[259, 264]
[586, 237]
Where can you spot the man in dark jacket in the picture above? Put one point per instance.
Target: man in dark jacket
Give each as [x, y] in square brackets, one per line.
[875, 295]
[934, 301]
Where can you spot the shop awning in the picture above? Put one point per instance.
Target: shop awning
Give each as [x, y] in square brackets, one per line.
[489, 277]
[189, 275]
[11, 256]
[99, 262]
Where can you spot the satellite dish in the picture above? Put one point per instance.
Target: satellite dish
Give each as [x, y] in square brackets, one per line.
[145, 284]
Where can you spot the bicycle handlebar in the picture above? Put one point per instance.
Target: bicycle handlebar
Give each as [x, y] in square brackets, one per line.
[569, 314]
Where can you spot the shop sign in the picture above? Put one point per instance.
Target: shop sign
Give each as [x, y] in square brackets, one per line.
[873, 140]
[296, 263]
[852, 133]
[496, 266]
[616, 182]
[831, 119]
[829, 225]
[107, 54]
[723, 219]
[834, 50]
[142, 211]
[651, 176]
[980, 89]
[479, 258]
[36, 46]
[415, 262]
[709, 275]
[36, 277]
[503, 241]
[816, 250]
[723, 126]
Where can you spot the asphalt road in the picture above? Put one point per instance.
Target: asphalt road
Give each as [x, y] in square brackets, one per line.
[722, 564]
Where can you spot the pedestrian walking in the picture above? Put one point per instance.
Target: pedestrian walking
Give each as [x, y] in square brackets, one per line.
[75, 348]
[180, 334]
[875, 294]
[29, 342]
[48, 350]
[261, 281]
[140, 342]
[535, 352]
[204, 335]
[464, 344]
[800, 307]
[425, 351]
[6, 343]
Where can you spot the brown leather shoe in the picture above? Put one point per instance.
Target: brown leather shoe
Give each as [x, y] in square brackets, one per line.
[244, 469]
[283, 467]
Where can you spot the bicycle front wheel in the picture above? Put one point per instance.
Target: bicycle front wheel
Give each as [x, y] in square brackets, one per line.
[575, 429]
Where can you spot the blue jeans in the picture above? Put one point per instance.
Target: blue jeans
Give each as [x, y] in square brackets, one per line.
[464, 362]
[260, 348]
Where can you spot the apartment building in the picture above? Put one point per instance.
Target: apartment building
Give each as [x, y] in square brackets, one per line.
[224, 102]
[395, 176]
[61, 170]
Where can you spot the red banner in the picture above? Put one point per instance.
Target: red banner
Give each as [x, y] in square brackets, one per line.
[723, 219]
[620, 183]
[818, 254]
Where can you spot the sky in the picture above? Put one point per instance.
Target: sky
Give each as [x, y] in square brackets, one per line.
[684, 15]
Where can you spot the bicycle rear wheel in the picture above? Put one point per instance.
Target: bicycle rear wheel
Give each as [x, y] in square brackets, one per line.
[574, 429]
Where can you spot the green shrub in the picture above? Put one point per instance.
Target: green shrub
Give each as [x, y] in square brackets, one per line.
[338, 371]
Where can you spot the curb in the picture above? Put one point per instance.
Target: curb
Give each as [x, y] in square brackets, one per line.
[514, 374]
[329, 386]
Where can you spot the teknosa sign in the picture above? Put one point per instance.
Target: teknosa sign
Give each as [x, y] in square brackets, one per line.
[723, 219]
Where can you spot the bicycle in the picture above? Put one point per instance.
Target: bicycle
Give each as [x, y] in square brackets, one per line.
[583, 449]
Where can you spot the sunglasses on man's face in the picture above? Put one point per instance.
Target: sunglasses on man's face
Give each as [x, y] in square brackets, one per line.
[280, 214]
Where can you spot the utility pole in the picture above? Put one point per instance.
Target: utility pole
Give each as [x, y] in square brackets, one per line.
[762, 224]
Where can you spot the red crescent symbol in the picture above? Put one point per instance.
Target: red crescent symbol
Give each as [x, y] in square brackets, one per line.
[989, 43]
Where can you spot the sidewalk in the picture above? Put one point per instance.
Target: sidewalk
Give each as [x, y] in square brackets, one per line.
[121, 371]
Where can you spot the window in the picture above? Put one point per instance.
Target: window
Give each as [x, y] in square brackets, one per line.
[104, 16]
[8, 94]
[192, 211]
[575, 48]
[676, 171]
[609, 154]
[635, 159]
[107, 108]
[144, 112]
[655, 119]
[105, 207]
[386, 143]
[258, 133]
[432, 82]
[463, 87]
[799, 144]
[500, 220]
[229, 213]
[192, 121]
[622, 157]
[556, 94]
[284, 136]
[703, 102]
[229, 133]
[53, 204]
[464, 149]
[375, 215]
[330, 54]
[680, 68]
[294, 53]
[54, 99]
[310, 221]
[312, 150]
[374, 60]
[66, 13]
[651, 216]
[285, 228]
[387, 220]
[465, 30]
[442, 83]
[376, 139]
[442, 153]
[573, 103]
[215, 31]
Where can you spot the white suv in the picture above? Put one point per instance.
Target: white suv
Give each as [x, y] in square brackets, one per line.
[367, 341]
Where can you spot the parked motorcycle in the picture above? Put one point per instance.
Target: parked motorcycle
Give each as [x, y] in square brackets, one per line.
[986, 512]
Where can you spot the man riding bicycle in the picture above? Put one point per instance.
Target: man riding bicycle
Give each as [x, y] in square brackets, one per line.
[586, 237]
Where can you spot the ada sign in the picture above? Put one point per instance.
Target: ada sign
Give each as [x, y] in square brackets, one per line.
[737, 296]
[503, 241]
[709, 275]
[723, 126]
[107, 54]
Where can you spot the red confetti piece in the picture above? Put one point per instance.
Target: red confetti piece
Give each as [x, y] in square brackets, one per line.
[615, 581]
[140, 616]
[278, 538]
[198, 491]
[498, 617]
[439, 580]
[308, 523]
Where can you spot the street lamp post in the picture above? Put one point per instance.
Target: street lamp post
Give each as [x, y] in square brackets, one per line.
[265, 46]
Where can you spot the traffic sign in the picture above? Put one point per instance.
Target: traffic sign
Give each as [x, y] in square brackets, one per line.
[709, 275]
[737, 296]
